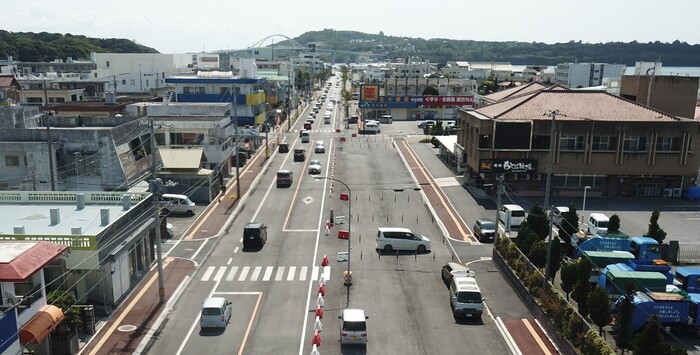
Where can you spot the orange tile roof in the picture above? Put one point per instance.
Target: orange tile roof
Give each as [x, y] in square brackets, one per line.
[515, 91]
[6, 81]
[573, 105]
[31, 260]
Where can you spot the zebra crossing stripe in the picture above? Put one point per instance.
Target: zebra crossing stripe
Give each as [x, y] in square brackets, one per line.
[268, 273]
[302, 273]
[314, 273]
[280, 273]
[232, 273]
[220, 273]
[207, 274]
[327, 273]
[256, 273]
[243, 273]
[290, 275]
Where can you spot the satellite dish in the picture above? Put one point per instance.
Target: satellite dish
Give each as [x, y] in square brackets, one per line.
[11, 298]
[650, 71]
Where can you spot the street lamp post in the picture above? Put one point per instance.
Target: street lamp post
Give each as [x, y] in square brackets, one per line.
[77, 173]
[583, 208]
[349, 230]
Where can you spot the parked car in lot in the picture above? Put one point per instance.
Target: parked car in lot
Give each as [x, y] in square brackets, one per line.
[484, 230]
[314, 166]
[453, 269]
[320, 147]
[390, 239]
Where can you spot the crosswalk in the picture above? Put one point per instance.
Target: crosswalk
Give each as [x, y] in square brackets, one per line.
[318, 131]
[265, 273]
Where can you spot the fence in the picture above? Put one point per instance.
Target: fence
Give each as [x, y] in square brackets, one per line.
[683, 252]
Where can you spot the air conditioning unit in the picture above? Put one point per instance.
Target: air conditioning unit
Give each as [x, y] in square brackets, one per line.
[668, 193]
[512, 176]
[677, 192]
[536, 177]
[525, 177]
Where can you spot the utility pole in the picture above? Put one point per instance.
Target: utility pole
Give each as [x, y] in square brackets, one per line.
[550, 162]
[140, 79]
[114, 81]
[48, 142]
[235, 122]
[155, 190]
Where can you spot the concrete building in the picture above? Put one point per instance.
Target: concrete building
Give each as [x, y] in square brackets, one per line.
[26, 319]
[676, 95]
[110, 234]
[145, 72]
[574, 75]
[617, 147]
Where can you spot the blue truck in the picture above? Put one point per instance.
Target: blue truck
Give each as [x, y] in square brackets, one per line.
[676, 310]
[643, 248]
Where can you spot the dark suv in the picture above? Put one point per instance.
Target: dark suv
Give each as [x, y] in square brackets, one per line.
[254, 235]
[299, 154]
[284, 178]
[485, 230]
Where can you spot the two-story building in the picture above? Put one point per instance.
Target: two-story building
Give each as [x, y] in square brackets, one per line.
[612, 145]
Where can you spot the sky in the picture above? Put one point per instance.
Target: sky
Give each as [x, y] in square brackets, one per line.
[178, 26]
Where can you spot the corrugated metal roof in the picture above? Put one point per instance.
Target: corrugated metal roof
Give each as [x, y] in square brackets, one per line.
[181, 158]
[573, 105]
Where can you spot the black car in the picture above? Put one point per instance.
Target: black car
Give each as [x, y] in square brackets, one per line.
[484, 230]
[299, 154]
[283, 148]
[254, 235]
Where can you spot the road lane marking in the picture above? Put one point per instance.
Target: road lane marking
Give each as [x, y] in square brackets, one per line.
[536, 337]
[244, 273]
[302, 273]
[229, 261]
[199, 249]
[220, 273]
[256, 273]
[268, 273]
[235, 250]
[314, 273]
[207, 274]
[232, 274]
[280, 273]
[250, 324]
[327, 273]
[290, 275]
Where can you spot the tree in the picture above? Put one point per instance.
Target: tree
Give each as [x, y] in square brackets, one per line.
[614, 224]
[654, 230]
[65, 301]
[650, 340]
[555, 258]
[538, 254]
[568, 228]
[525, 238]
[583, 286]
[599, 307]
[569, 276]
[624, 310]
[538, 221]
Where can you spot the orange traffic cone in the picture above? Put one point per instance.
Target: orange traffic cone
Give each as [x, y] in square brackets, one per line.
[319, 312]
[316, 340]
[322, 290]
[324, 262]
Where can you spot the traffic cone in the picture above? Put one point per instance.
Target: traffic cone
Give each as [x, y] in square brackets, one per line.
[324, 262]
[317, 325]
[319, 312]
[322, 290]
[320, 301]
[316, 340]
[314, 350]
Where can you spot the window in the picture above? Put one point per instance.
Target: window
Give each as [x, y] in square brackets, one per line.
[668, 144]
[484, 141]
[540, 142]
[635, 144]
[35, 100]
[571, 143]
[11, 160]
[133, 81]
[123, 81]
[187, 90]
[199, 90]
[108, 64]
[603, 143]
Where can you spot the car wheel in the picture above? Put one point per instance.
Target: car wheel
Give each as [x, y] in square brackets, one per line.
[190, 213]
[165, 211]
[388, 248]
[421, 248]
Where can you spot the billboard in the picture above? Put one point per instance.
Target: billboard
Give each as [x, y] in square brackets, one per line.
[512, 135]
[369, 92]
[507, 166]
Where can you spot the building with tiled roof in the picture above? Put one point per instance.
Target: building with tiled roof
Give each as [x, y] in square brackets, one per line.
[509, 93]
[615, 146]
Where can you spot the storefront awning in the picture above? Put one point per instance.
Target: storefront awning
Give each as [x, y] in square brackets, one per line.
[39, 326]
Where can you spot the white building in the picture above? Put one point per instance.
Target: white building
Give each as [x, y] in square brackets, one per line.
[574, 75]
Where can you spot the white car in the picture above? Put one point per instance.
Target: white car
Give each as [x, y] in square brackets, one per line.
[319, 147]
[314, 166]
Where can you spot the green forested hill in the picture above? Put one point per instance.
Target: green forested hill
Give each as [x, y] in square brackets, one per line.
[44, 47]
[442, 50]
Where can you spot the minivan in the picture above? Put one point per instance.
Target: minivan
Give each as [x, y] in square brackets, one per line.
[465, 297]
[386, 119]
[177, 203]
[511, 216]
[304, 135]
[390, 239]
[353, 326]
[216, 313]
[254, 235]
[299, 154]
[598, 224]
[284, 178]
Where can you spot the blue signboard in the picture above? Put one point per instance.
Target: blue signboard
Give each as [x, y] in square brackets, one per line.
[393, 102]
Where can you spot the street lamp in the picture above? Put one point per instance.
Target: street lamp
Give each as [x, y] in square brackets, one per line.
[77, 173]
[349, 229]
[583, 209]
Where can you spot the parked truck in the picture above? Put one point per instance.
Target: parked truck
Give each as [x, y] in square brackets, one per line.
[615, 278]
[643, 248]
[675, 310]
[687, 278]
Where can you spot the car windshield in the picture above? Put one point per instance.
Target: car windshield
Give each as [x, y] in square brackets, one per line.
[315, 162]
[488, 225]
[469, 297]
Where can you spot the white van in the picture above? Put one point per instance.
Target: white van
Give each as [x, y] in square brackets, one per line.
[216, 313]
[304, 136]
[512, 216]
[598, 224]
[465, 297]
[390, 239]
[386, 119]
[176, 203]
[353, 326]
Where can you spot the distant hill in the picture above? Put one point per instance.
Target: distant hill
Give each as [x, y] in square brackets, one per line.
[441, 50]
[45, 47]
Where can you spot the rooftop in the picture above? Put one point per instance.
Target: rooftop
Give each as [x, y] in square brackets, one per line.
[20, 260]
